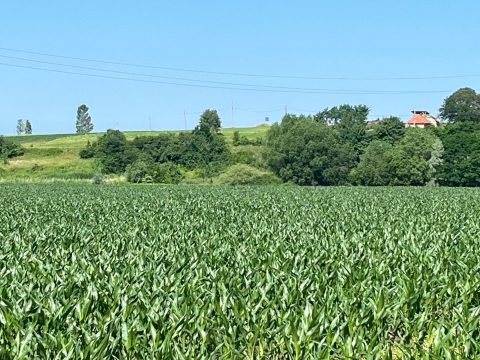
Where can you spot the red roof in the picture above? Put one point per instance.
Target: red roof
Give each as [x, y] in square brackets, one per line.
[418, 119]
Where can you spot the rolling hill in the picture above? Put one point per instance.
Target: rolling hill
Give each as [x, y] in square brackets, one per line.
[55, 156]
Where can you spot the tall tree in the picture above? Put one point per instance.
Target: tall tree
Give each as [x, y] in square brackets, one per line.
[20, 127]
[390, 129]
[372, 170]
[210, 120]
[28, 127]
[409, 161]
[114, 152]
[307, 152]
[462, 105]
[349, 120]
[461, 157]
[345, 113]
[84, 120]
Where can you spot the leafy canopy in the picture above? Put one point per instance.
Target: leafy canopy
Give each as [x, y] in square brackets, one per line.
[462, 105]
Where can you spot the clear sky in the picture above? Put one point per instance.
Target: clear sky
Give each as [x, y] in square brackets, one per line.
[393, 56]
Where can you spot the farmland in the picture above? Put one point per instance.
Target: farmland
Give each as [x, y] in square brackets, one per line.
[253, 272]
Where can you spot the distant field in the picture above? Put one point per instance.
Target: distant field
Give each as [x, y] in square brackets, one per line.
[185, 272]
[56, 155]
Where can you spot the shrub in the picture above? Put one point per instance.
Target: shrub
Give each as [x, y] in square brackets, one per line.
[89, 152]
[137, 172]
[144, 171]
[114, 152]
[241, 174]
[243, 157]
[9, 149]
[166, 173]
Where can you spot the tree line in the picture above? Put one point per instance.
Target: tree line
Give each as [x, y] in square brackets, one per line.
[336, 146]
[162, 158]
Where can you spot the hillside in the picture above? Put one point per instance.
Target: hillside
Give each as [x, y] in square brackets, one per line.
[56, 155]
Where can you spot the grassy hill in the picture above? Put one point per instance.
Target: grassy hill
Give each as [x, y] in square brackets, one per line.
[56, 155]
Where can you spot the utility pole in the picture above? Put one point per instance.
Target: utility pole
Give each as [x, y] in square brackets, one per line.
[185, 119]
[233, 117]
[286, 109]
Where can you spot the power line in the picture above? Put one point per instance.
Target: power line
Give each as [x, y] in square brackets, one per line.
[385, 78]
[158, 76]
[273, 90]
[195, 80]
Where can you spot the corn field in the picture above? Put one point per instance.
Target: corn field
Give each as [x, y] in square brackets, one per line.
[119, 272]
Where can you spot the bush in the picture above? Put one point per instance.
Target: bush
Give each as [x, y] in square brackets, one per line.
[114, 152]
[88, 153]
[241, 174]
[9, 149]
[243, 157]
[144, 171]
[137, 172]
[166, 173]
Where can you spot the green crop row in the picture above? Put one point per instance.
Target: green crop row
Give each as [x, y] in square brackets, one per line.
[91, 272]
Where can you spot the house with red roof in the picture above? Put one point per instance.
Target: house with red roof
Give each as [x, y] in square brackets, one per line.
[422, 119]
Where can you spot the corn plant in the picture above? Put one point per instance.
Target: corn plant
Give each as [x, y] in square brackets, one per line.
[185, 272]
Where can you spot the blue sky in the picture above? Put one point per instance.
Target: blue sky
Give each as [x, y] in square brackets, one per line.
[368, 47]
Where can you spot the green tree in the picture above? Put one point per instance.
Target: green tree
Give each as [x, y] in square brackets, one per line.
[206, 144]
[390, 129]
[114, 152]
[436, 160]
[20, 127]
[461, 157]
[307, 152]
[209, 121]
[462, 105]
[28, 127]
[84, 123]
[350, 121]
[372, 170]
[409, 160]
[8, 149]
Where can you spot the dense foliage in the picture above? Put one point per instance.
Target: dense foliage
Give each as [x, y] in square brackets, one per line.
[9, 149]
[150, 158]
[242, 174]
[461, 159]
[307, 152]
[336, 146]
[114, 152]
[147, 171]
[215, 272]
[411, 160]
[462, 105]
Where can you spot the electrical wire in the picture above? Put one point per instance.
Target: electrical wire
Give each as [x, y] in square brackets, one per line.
[274, 90]
[169, 68]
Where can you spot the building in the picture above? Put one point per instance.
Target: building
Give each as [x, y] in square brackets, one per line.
[422, 119]
[373, 122]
